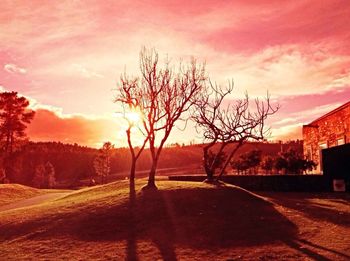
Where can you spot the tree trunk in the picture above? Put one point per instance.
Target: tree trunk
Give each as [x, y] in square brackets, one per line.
[210, 177]
[7, 143]
[151, 184]
[209, 170]
[210, 174]
[229, 159]
[132, 170]
[11, 144]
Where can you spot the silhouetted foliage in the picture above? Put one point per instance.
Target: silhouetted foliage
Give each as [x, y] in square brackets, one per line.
[14, 118]
[214, 160]
[39, 176]
[50, 180]
[44, 176]
[240, 165]
[267, 164]
[253, 158]
[74, 163]
[293, 162]
[102, 162]
[247, 161]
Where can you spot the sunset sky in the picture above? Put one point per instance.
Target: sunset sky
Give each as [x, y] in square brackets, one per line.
[66, 57]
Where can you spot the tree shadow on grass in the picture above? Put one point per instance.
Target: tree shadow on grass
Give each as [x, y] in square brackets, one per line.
[161, 236]
[131, 247]
[306, 251]
[303, 246]
[199, 218]
[320, 211]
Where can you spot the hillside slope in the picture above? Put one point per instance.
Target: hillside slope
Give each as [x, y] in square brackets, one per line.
[180, 221]
[10, 193]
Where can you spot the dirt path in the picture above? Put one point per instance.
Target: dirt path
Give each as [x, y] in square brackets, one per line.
[34, 201]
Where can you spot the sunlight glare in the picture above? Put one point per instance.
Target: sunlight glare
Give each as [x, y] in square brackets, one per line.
[133, 117]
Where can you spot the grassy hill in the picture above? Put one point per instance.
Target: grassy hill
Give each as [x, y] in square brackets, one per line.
[180, 221]
[10, 193]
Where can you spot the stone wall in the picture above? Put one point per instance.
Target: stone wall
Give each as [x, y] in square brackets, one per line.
[316, 183]
[328, 131]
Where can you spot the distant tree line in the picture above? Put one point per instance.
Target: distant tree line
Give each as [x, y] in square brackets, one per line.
[287, 162]
[72, 163]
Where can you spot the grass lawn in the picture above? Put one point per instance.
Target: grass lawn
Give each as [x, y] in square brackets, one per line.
[181, 221]
[10, 193]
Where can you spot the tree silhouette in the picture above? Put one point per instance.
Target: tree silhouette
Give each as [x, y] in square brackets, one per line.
[249, 160]
[39, 176]
[267, 164]
[163, 95]
[234, 124]
[14, 117]
[130, 100]
[102, 161]
[293, 162]
[50, 180]
[253, 158]
[240, 165]
[217, 161]
[44, 176]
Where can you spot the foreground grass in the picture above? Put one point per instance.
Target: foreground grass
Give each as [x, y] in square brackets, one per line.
[181, 221]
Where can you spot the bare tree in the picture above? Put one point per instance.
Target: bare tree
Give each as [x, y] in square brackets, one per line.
[163, 95]
[235, 123]
[130, 99]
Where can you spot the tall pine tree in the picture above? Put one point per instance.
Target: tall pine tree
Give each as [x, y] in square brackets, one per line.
[14, 117]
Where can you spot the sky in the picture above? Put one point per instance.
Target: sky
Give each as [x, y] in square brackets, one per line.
[66, 57]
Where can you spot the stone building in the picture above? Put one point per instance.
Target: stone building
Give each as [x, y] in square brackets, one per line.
[331, 129]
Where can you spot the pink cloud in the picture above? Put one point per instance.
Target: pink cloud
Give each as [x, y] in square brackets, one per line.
[305, 108]
[264, 25]
[74, 51]
[49, 126]
[286, 133]
[13, 68]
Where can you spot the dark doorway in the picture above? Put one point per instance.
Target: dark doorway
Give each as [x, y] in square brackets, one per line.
[336, 163]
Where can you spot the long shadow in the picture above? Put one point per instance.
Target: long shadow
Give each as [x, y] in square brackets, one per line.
[198, 218]
[162, 237]
[312, 254]
[162, 232]
[131, 247]
[323, 212]
[303, 241]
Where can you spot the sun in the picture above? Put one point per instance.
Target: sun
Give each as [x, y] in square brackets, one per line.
[133, 117]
